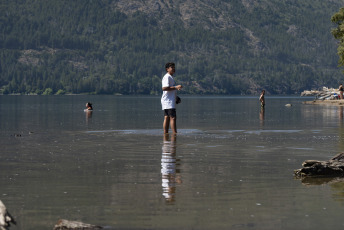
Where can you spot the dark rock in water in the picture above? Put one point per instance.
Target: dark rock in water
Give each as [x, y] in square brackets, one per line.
[5, 217]
[331, 168]
[74, 225]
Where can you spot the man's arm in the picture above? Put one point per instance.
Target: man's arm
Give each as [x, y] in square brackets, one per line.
[171, 88]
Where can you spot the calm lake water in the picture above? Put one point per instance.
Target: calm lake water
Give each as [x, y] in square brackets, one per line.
[230, 166]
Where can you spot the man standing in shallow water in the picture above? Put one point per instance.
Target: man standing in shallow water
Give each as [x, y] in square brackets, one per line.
[262, 99]
[168, 99]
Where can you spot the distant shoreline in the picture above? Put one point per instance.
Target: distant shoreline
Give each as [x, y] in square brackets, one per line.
[325, 102]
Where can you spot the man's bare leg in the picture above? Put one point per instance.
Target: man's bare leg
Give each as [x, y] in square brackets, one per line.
[174, 124]
[166, 124]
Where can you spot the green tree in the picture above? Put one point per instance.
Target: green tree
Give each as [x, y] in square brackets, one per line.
[60, 92]
[48, 91]
[338, 33]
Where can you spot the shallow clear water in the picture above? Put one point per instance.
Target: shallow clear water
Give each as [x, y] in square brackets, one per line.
[230, 166]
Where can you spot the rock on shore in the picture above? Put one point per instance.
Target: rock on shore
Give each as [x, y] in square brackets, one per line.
[324, 94]
[5, 217]
[74, 225]
[314, 168]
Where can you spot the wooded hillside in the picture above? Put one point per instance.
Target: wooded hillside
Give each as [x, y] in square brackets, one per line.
[120, 46]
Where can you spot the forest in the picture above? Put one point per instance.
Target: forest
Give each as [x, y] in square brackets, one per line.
[227, 47]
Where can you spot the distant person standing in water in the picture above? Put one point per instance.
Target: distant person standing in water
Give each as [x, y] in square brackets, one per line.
[168, 99]
[89, 106]
[341, 89]
[262, 99]
[88, 111]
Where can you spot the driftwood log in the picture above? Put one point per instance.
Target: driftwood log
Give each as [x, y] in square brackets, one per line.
[331, 168]
[5, 217]
[74, 225]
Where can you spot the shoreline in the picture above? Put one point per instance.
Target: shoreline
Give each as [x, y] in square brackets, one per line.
[325, 102]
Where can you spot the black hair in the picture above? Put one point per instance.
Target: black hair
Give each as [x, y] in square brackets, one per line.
[89, 105]
[169, 64]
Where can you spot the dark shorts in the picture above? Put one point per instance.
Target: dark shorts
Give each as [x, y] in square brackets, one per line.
[170, 112]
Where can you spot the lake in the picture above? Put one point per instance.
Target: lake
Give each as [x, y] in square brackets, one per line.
[229, 167]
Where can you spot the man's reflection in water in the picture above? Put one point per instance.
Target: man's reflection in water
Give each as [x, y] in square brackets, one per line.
[261, 116]
[88, 116]
[169, 168]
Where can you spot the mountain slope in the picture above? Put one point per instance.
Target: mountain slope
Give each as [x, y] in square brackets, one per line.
[119, 46]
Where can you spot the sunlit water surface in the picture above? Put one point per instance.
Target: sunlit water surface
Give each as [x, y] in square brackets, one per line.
[230, 166]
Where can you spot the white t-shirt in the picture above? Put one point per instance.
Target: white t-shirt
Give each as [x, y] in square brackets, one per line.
[168, 99]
